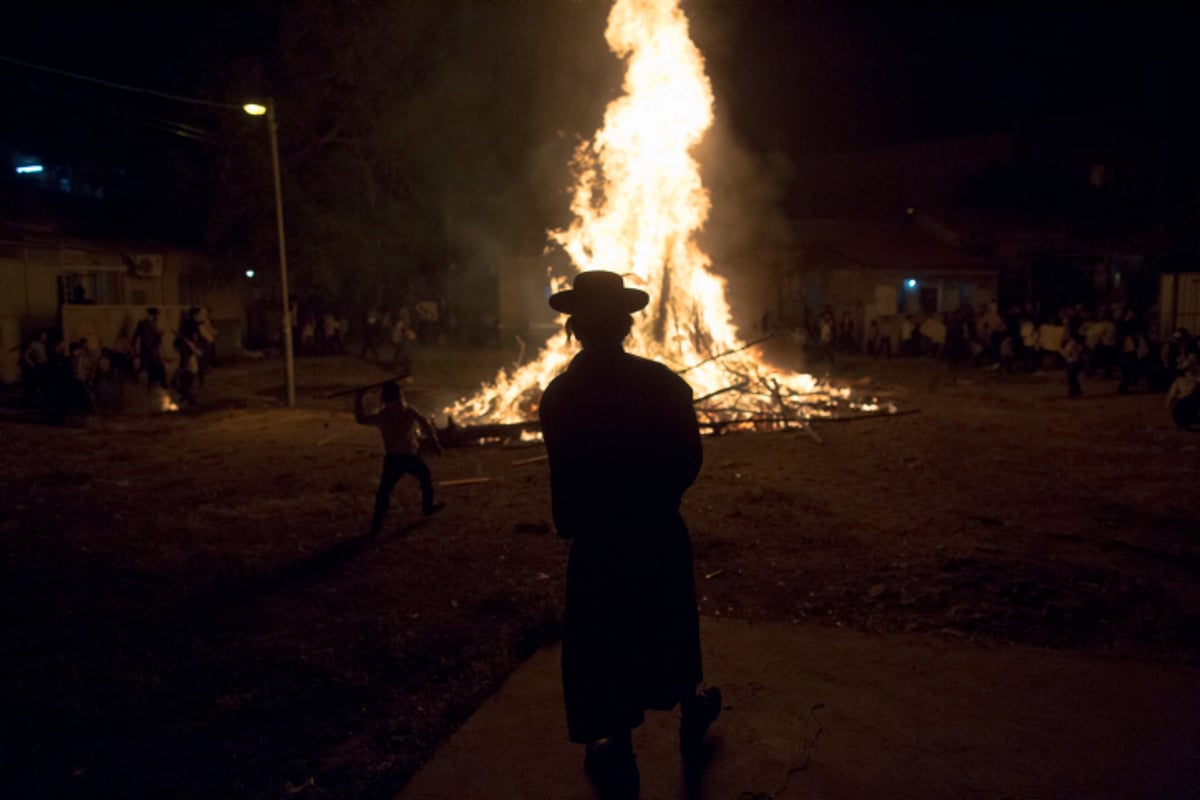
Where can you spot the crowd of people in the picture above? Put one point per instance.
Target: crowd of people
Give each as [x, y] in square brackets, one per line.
[1104, 341]
[382, 335]
[381, 329]
[1114, 342]
[75, 377]
[322, 334]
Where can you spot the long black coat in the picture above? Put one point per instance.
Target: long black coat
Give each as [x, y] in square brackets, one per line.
[623, 445]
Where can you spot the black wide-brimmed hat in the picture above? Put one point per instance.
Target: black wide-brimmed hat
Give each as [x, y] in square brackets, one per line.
[597, 291]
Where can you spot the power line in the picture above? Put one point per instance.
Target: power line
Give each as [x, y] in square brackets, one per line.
[122, 87]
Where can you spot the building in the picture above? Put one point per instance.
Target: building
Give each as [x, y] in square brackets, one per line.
[868, 270]
[99, 290]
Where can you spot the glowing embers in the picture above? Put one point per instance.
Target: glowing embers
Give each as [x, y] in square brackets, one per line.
[163, 402]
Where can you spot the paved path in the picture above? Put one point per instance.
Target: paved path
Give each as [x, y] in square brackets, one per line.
[813, 712]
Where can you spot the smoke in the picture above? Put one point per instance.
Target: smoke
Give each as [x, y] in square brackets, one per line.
[748, 235]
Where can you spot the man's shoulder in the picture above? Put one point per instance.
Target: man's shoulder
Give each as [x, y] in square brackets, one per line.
[619, 368]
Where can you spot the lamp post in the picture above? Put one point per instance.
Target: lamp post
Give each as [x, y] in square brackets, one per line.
[258, 110]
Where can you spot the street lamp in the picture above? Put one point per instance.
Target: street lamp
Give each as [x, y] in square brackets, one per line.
[258, 110]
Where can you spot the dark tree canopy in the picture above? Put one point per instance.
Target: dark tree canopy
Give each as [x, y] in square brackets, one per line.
[412, 135]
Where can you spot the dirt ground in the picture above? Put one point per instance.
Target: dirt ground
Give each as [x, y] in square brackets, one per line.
[191, 608]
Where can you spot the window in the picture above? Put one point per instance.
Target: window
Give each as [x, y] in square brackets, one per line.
[101, 287]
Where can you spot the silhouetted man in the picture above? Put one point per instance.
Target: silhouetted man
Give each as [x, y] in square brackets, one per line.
[623, 445]
[147, 343]
[402, 428]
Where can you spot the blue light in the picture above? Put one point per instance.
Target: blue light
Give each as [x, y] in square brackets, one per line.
[911, 283]
[249, 273]
[29, 170]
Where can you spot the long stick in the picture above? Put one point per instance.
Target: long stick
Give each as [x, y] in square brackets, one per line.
[702, 398]
[746, 346]
[724, 423]
[523, 461]
[464, 481]
[364, 388]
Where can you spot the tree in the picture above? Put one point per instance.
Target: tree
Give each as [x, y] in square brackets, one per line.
[412, 134]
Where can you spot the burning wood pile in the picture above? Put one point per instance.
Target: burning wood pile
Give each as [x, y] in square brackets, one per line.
[756, 400]
[638, 203]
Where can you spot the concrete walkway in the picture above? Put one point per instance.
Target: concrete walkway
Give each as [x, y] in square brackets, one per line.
[813, 712]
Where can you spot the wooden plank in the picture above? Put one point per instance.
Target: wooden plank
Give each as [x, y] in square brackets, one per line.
[464, 481]
[523, 461]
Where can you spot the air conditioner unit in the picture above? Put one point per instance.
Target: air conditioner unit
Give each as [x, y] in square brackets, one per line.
[148, 265]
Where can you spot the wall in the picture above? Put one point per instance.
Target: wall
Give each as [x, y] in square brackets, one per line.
[29, 288]
[1179, 302]
[882, 294]
[10, 350]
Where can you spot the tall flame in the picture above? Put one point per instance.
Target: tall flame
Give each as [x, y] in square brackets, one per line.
[638, 204]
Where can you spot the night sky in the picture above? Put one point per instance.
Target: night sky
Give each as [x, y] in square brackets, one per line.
[798, 78]
[837, 76]
[791, 74]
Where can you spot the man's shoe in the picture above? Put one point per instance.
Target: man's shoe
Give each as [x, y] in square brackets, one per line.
[433, 509]
[612, 767]
[698, 713]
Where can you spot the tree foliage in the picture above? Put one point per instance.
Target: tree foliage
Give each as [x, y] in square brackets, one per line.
[412, 135]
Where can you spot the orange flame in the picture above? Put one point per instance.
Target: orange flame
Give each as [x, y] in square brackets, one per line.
[638, 203]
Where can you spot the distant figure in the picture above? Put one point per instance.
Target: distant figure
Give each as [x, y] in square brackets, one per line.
[427, 321]
[35, 369]
[402, 338]
[1031, 348]
[402, 427]
[827, 333]
[623, 446]
[197, 329]
[147, 343]
[331, 334]
[371, 335]
[308, 334]
[1104, 334]
[208, 341]
[108, 385]
[956, 350]
[847, 335]
[80, 399]
[1072, 353]
[884, 349]
[1183, 397]
[873, 338]
[991, 333]
[1133, 351]
[188, 374]
[911, 341]
[1008, 355]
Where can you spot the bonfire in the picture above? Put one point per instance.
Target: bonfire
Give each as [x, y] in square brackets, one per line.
[638, 204]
